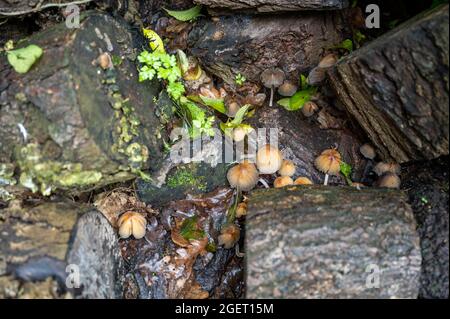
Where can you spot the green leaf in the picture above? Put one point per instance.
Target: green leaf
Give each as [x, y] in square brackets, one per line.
[216, 104]
[239, 117]
[347, 44]
[303, 81]
[185, 15]
[346, 170]
[190, 229]
[299, 99]
[23, 59]
[286, 103]
[156, 44]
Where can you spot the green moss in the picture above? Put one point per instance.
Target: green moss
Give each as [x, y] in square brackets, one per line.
[185, 177]
[40, 174]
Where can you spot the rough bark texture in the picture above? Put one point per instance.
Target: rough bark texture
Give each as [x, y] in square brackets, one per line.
[37, 243]
[65, 101]
[397, 88]
[427, 187]
[250, 44]
[320, 242]
[266, 6]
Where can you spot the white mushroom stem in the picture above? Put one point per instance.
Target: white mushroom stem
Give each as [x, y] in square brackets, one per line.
[238, 253]
[326, 180]
[271, 96]
[262, 181]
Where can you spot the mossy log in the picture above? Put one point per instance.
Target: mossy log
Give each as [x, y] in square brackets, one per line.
[331, 242]
[270, 6]
[250, 44]
[77, 115]
[397, 88]
[38, 243]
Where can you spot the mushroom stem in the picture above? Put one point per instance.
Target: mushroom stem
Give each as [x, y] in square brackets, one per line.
[231, 215]
[262, 181]
[326, 180]
[271, 96]
[238, 253]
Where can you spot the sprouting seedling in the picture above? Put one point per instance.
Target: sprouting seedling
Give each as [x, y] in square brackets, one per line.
[271, 79]
[328, 162]
[240, 79]
[346, 170]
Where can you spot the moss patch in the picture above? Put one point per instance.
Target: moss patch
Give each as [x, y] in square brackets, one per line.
[185, 177]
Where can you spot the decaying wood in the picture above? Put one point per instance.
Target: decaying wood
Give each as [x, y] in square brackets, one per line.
[250, 44]
[65, 101]
[397, 88]
[326, 242]
[267, 6]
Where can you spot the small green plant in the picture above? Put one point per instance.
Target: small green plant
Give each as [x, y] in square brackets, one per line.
[23, 59]
[240, 79]
[185, 15]
[300, 97]
[346, 170]
[163, 66]
[236, 122]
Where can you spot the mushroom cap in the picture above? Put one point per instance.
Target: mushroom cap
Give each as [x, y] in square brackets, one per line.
[243, 175]
[329, 162]
[384, 167]
[241, 210]
[132, 223]
[287, 89]
[309, 108]
[282, 181]
[272, 77]
[239, 134]
[229, 235]
[268, 159]
[233, 108]
[389, 180]
[368, 151]
[328, 61]
[303, 181]
[316, 76]
[287, 168]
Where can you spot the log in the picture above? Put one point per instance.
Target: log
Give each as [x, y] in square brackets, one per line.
[397, 88]
[77, 115]
[331, 242]
[427, 187]
[38, 243]
[250, 44]
[270, 6]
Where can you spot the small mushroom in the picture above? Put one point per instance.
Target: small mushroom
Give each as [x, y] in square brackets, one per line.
[384, 167]
[309, 108]
[268, 159]
[303, 181]
[328, 61]
[358, 186]
[368, 151]
[329, 162]
[132, 223]
[282, 181]
[241, 210]
[271, 79]
[229, 235]
[233, 108]
[104, 60]
[287, 89]
[316, 76]
[287, 168]
[243, 176]
[389, 180]
[239, 134]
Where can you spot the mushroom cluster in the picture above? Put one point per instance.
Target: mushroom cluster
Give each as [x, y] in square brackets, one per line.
[317, 75]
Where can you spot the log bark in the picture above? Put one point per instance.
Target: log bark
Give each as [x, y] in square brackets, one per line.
[250, 44]
[397, 88]
[270, 6]
[66, 101]
[330, 242]
[38, 243]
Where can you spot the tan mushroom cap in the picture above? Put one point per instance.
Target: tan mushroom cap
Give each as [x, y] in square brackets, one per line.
[268, 159]
[132, 223]
[239, 134]
[272, 77]
[389, 180]
[383, 167]
[233, 108]
[229, 235]
[282, 181]
[309, 108]
[368, 151]
[287, 89]
[303, 181]
[243, 176]
[287, 168]
[329, 162]
[328, 61]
